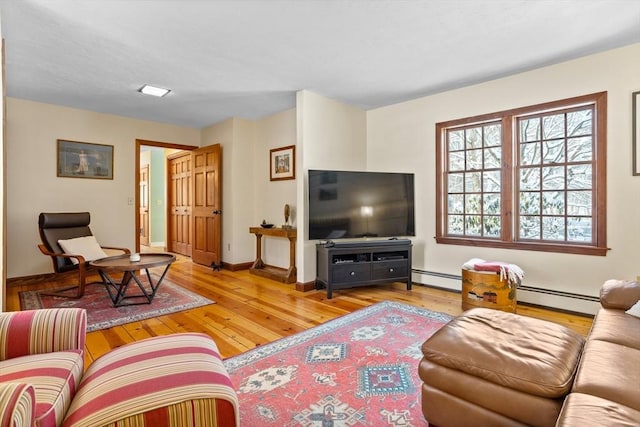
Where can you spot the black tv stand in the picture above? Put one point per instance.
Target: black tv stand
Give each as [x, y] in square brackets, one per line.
[363, 263]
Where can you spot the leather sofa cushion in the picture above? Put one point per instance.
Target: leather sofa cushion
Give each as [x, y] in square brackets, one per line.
[467, 391]
[610, 371]
[54, 377]
[521, 353]
[584, 410]
[443, 409]
[621, 294]
[616, 326]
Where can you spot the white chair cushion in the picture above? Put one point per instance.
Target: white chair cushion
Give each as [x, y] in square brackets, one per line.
[86, 246]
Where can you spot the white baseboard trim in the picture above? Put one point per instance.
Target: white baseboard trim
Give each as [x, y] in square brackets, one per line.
[565, 301]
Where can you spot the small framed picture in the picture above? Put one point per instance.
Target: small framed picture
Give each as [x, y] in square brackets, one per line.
[84, 160]
[283, 163]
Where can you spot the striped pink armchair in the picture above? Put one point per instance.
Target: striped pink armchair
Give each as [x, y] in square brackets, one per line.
[171, 380]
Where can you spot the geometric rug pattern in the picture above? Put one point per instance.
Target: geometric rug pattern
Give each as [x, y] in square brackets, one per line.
[101, 314]
[360, 369]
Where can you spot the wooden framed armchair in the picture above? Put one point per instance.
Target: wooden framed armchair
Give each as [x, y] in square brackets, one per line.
[55, 227]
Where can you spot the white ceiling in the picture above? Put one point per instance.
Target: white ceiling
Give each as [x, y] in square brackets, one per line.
[248, 58]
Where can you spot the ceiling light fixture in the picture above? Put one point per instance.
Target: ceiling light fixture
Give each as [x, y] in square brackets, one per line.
[154, 90]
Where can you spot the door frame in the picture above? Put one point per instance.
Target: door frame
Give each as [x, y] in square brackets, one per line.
[139, 144]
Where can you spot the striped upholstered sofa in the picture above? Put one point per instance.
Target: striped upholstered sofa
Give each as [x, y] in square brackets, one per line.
[171, 380]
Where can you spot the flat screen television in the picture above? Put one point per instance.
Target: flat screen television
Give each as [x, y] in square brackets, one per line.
[347, 204]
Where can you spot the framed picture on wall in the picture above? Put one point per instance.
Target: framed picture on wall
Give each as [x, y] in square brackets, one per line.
[282, 163]
[84, 160]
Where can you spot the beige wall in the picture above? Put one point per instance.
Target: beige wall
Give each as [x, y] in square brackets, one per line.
[248, 194]
[331, 135]
[32, 131]
[278, 130]
[402, 137]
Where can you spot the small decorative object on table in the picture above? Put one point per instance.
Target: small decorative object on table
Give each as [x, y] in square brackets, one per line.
[287, 214]
[264, 224]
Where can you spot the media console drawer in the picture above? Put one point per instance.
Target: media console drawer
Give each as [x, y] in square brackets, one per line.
[351, 272]
[389, 269]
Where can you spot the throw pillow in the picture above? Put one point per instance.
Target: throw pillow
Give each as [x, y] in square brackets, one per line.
[86, 246]
[634, 310]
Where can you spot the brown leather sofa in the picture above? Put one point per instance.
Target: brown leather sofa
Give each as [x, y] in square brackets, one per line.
[606, 389]
[491, 368]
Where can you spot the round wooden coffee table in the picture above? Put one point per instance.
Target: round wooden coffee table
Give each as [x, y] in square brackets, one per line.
[121, 263]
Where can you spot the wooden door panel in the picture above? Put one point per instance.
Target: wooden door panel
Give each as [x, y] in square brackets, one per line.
[144, 205]
[180, 208]
[207, 205]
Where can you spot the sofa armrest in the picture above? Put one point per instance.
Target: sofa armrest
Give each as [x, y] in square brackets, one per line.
[619, 294]
[170, 379]
[41, 331]
[17, 404]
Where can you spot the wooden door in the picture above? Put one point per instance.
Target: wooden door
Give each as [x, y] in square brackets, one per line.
[144, 205]
[180, 198]
[207, 205]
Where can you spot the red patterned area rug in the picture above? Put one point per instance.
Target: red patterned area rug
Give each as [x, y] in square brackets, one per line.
[358, 370]
[101, 314]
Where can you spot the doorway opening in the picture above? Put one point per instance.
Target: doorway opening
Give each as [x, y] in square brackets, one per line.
[151, 200]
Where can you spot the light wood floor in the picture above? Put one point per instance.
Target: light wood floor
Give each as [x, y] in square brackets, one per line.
[252, 311]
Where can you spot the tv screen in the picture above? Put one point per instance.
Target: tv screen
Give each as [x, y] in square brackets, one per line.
[345, 204]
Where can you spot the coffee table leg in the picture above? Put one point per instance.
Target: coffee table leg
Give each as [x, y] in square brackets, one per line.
[154, 288]
[148, 295]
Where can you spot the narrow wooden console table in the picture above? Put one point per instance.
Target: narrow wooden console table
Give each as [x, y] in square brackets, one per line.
[261, 269]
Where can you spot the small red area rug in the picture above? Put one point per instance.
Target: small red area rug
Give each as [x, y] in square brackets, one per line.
[360, 369]
[101, 314]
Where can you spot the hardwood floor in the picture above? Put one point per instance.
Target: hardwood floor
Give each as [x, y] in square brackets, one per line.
[252, 311]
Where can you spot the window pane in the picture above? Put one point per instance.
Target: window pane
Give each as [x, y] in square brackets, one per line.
[456, 161]
[530, 130]
[492, 158]
[553, 126]
[491, 204]
[492, 135]
[580, 123]
[472, 204]
[530, 154]
[553, 203]
[530, 179]
[456, 204]
[579, 229]
[455, 183]
[455, 224]
[473, 225]
[492, 226]
[472, 182]
[473, 138]
[579, 177]
[456, 140]
[530, 227]
[580, 149]
[491, 181]
[579, 203]
[553, 178]
[474, 159]
[553, 151]
[552, 228]
[530, 203]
